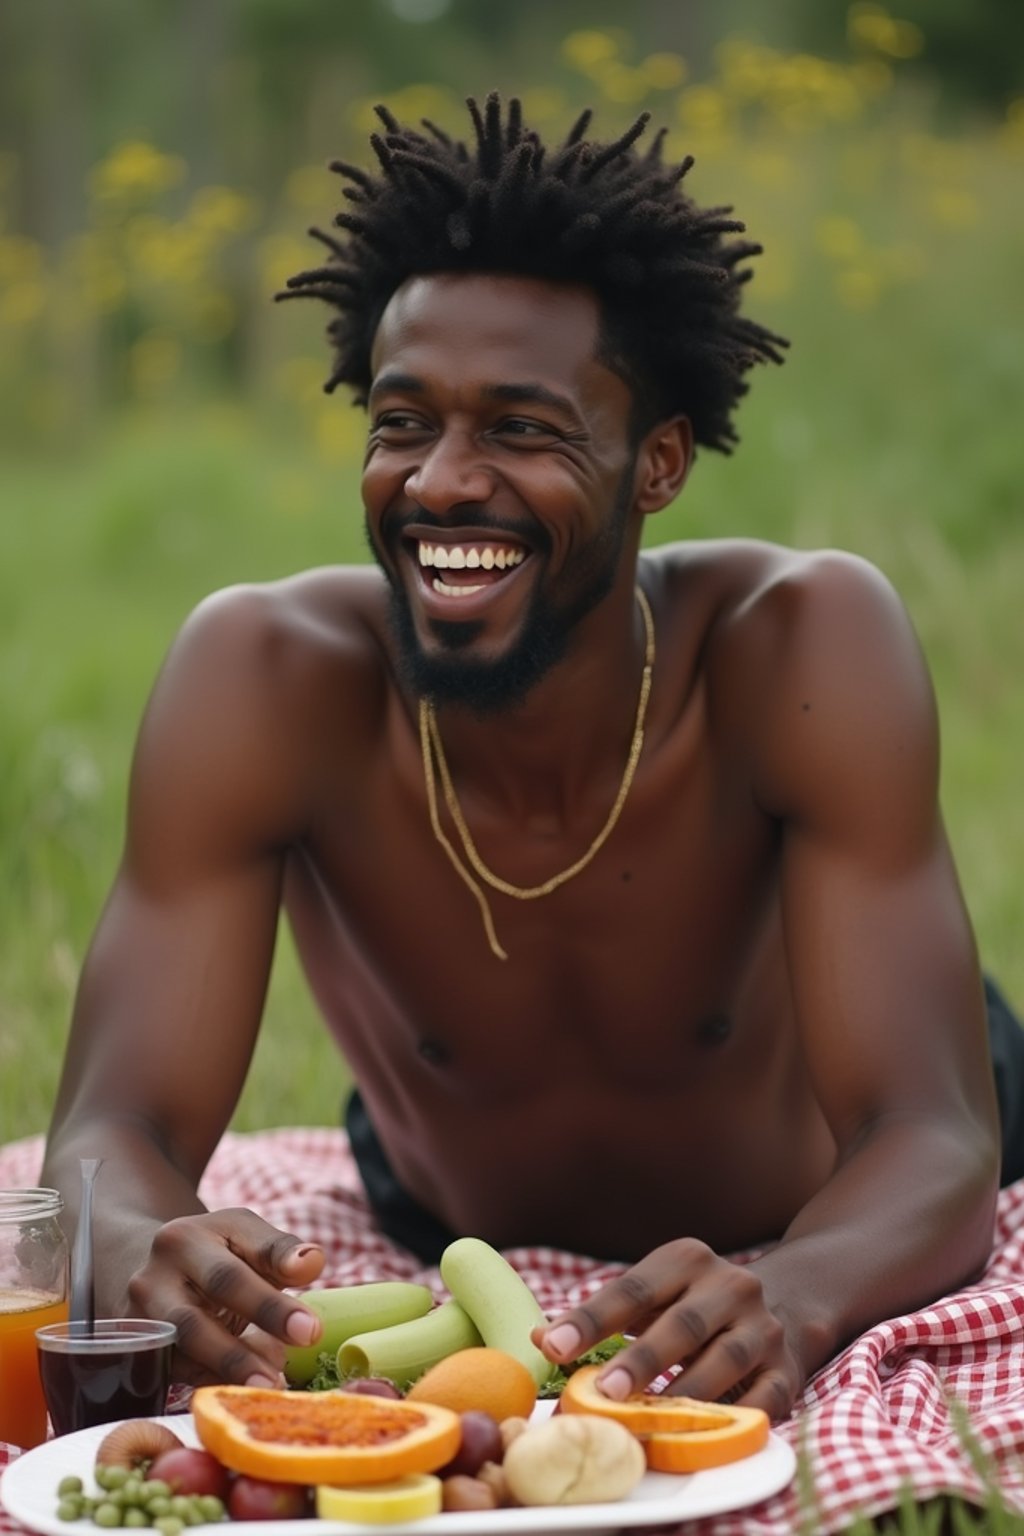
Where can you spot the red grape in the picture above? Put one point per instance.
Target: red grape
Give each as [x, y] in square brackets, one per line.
[190, 1472]
[255, 1498]
[481, 1441]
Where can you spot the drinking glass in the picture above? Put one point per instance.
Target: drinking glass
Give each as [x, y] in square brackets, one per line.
[33, 1292]
[115, 1368]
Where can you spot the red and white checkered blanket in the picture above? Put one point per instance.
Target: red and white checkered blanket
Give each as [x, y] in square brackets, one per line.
[875, 1421]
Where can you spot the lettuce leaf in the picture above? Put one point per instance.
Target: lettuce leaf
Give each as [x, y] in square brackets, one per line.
[605, 1350]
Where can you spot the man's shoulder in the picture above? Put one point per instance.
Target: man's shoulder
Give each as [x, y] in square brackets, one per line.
[326, 609]
[755, 578]
[757, 595]
[271, 659]
[809, 656]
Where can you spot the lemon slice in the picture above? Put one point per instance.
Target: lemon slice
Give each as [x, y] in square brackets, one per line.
[407, 1498]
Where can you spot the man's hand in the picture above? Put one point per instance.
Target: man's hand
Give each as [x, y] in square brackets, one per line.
[686, 1307]
[219, 1277]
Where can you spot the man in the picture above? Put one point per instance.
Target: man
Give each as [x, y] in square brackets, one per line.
[620, 880]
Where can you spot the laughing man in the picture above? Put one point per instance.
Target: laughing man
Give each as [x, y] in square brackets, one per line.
[620, 879]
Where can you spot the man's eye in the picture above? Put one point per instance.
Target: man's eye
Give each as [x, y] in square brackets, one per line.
[399, 421]
[518, 426]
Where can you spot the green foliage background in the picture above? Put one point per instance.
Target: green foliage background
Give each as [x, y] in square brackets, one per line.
[163, 430]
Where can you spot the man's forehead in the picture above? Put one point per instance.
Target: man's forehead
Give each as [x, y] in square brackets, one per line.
[551, 326]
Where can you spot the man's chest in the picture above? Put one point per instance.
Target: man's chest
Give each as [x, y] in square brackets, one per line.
[642, 963]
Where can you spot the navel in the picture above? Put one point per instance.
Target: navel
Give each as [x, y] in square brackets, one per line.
[714, 1029]
[434, 1053]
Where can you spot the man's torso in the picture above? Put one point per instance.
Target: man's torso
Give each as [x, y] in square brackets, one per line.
[633, 1071]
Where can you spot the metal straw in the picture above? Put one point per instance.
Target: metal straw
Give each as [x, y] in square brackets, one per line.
[82, 1308]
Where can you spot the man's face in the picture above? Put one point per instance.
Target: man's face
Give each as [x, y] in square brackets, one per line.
[498, 479]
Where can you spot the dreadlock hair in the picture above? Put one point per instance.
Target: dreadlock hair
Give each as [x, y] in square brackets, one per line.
[667, 280]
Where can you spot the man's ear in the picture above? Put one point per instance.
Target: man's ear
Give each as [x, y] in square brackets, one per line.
[663, 464]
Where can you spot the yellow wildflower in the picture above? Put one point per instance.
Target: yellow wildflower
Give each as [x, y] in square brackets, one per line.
[620, 83]
[839, 237]
[869, 26]
[703, 109]
[585, 49]
[408, 104]
[136, 170]
[222, 211]
[664, 71]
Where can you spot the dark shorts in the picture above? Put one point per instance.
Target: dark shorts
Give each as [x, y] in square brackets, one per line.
[408, 1223]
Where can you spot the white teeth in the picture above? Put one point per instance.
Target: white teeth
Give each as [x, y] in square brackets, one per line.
[447, 591]
[458, 557]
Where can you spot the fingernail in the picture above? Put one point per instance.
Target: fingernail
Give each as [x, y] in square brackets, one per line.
[616, 1384]
[302, 1328]
[259, 1380]
[564, 1341]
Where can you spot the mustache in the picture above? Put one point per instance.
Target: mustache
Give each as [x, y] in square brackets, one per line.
[466, 515]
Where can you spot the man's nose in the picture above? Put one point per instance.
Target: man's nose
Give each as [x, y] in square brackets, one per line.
[451, 471]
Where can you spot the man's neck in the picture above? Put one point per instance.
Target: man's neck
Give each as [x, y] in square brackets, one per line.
[568, 740]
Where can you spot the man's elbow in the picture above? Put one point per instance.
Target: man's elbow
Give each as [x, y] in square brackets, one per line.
[979, 1163]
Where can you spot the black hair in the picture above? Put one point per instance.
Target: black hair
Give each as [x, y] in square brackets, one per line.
[667, 280]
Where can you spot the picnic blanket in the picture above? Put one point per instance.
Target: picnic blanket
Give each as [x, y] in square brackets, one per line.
[876, 1420]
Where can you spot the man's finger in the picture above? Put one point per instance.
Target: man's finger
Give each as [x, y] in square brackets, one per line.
[226, 1283]
[773, 1391]
[644, 1290]
[206, 1346]
[730, 1358]
[281, 1257]
[238, 1262]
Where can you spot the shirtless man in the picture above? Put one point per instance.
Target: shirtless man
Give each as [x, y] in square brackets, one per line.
[728, 992]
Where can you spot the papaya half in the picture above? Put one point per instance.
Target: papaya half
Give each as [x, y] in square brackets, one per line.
[323, 1437]
[679, 1434]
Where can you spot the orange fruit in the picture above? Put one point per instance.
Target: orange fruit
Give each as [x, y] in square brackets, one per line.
[485, 1379]
[680, 1434]
[322, 1437]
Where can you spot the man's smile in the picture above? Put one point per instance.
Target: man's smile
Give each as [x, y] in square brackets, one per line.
[470, 566]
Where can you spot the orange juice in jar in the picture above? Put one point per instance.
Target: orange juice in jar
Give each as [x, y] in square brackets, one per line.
[33, 1291]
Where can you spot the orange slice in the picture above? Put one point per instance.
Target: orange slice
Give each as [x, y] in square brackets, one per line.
[323, 1437]
[679, 1434]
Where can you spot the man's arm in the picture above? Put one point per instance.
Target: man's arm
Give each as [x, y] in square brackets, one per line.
[171, 995]
[889, 1007]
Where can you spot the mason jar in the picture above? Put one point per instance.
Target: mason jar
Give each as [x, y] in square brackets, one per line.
[33, 1292]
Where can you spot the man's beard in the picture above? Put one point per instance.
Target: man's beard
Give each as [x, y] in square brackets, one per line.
[487, 685]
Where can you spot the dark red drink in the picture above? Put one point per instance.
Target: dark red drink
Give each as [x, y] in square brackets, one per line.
[118, 1370]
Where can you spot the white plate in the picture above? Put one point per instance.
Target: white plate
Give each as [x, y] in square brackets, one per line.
[28, 1491]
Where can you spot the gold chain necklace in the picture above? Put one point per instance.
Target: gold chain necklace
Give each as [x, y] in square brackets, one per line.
[431, 747]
